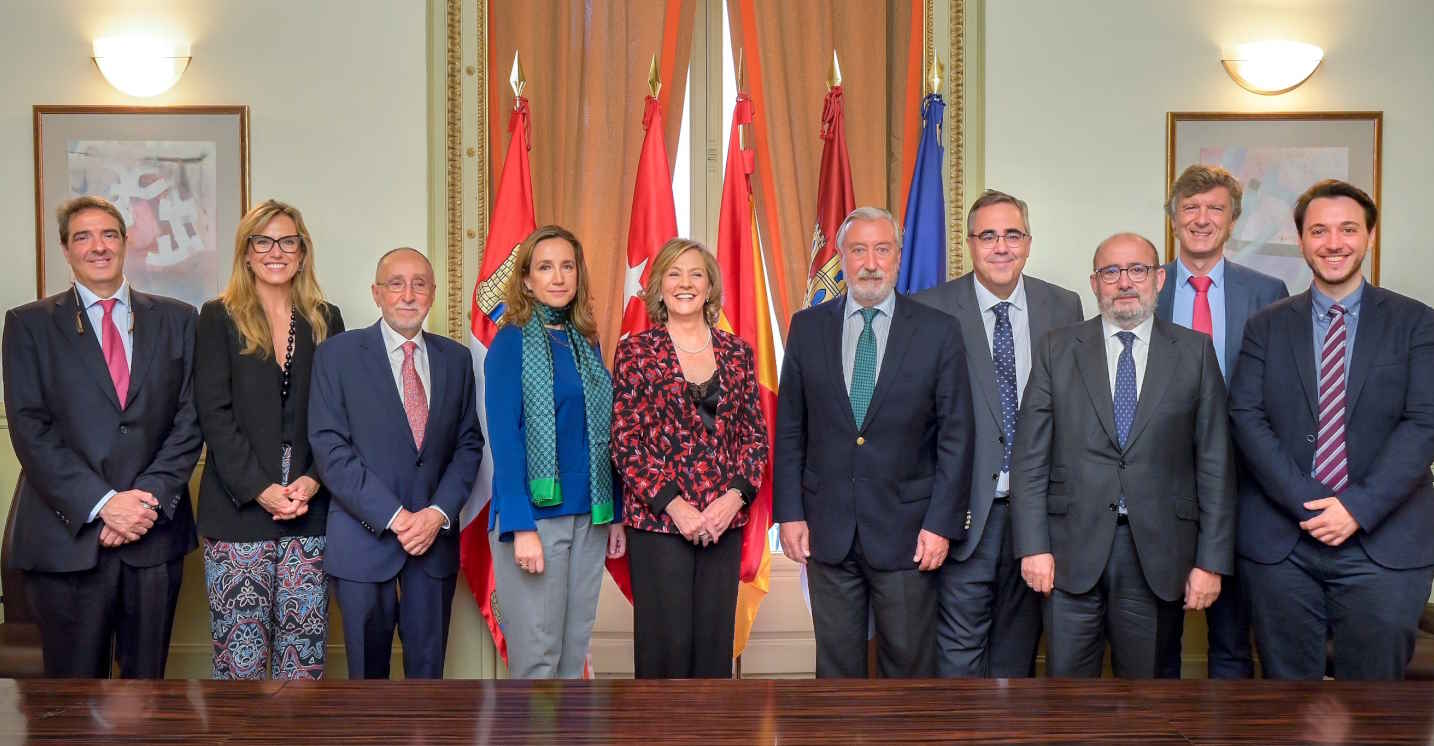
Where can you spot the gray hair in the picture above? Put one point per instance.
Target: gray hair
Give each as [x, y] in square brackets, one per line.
[865, 215]
[994, 197]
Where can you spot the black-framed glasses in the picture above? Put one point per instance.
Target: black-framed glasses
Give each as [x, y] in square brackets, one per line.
[286, 244]
[397, 285]
[988, 239]
[1137, 273]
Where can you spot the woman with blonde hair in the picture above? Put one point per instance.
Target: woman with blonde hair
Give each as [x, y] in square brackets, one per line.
[556, 509]
[262, 511]
[690, 442]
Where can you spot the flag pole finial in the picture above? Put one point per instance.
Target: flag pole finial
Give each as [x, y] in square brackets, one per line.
[516, 78]
[834, 77]
[654, 81]
[933, 77]
[740, 70]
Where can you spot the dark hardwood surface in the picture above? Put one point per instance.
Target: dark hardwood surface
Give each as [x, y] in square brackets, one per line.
[716, 712]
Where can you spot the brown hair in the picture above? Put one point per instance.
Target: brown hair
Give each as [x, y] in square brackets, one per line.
[518, 299]
[993, 197]
[1335, 188]
[242, 301]
[666, 257]
[1199, 179]
[72, 207]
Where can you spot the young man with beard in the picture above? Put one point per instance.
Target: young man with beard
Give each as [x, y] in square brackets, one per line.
[1333, 404]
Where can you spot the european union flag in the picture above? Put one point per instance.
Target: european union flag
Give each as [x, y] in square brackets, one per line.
[923, 255]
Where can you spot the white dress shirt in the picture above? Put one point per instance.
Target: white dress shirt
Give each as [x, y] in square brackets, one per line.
[393, 343]
[1139, 349]
[1019, 314]
[90, 301]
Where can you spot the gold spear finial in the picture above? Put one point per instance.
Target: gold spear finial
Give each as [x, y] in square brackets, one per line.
[834, 77]
[740, 70]
[516, 78]
[654, 81]
[933, 77]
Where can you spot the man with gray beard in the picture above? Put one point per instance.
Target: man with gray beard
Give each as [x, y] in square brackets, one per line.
[1122, 480]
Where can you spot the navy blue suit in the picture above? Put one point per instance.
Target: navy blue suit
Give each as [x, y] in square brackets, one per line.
[1228, 619]
[1371, 589]
[365, 454]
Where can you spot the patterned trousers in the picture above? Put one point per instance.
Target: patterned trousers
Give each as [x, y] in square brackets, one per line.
[268, 607]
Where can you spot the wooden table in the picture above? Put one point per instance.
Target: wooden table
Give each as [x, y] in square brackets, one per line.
[715, 712]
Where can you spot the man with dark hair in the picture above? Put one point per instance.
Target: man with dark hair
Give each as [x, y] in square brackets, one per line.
[1211, 294]
[98, 390]
[1333, 405]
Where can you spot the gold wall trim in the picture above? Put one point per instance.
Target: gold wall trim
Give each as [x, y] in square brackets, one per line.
[453, 134]
[955, 137]
[481, 137]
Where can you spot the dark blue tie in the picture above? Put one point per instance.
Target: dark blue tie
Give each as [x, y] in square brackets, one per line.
[1003, 349]
[1124, 395]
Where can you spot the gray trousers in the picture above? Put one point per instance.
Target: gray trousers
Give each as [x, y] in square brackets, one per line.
[548, 618]
[989, 621]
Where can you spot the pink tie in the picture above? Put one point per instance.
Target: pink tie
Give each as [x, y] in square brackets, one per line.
[1200, 319]
[1331, 464]
[414, 403]
[112, 344]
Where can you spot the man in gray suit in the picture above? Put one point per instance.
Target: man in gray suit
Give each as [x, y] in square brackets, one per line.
[1207, 292]
[989, 622]
[1122, 483]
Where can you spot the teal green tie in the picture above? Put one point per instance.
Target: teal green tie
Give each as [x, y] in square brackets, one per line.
[863, 369]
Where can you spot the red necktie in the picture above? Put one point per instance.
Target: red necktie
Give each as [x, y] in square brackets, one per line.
[415, 405]
[1200, 319]
[112, 345]
[1331, 465]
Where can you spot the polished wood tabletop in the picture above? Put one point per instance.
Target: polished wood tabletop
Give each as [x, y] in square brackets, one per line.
[716, 712]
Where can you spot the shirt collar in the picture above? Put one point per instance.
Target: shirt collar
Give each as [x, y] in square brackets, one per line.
[393, 341]
[1216, 274]
[89, 298]
[1322, 302]
[886, 306]
[1142, 331]
[986, 300]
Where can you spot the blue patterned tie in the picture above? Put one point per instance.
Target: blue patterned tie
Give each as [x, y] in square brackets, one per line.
[1124, 396]
[863, 369]
[1003, 348]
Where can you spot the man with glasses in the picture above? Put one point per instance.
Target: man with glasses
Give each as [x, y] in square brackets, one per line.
[394, 430]
[1215, 296]
[1122, 491]
[989, 621]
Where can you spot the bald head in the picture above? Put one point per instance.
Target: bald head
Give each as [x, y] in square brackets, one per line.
[402, 251]
[1126, 237]
[403, 289]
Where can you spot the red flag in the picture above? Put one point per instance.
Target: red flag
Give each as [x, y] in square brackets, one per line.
[835, 200]
[513, 220]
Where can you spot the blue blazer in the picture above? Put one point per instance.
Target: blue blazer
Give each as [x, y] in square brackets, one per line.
[365, 455]
[1389, 428]
[1246, 292]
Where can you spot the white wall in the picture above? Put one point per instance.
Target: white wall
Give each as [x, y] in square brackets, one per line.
[1076, 96]
[337, 100]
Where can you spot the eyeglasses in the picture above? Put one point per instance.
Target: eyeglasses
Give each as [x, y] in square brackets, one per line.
[397, 285]
[265, 244]
[1136, 272]
[988, 239]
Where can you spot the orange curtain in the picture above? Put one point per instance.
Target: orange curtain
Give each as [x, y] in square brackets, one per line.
[787, 48]
[587, 68]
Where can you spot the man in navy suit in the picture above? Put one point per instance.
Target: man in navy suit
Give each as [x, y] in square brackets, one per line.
[99, 392]
[1209, 293]
[395, 436]
[1333, 405]
[872, 473]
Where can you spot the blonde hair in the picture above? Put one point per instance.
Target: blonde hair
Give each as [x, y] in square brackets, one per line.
[242, 301]
[518, 300]
[666, 257]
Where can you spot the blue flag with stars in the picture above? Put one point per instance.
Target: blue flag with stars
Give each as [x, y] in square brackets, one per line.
[923, 254]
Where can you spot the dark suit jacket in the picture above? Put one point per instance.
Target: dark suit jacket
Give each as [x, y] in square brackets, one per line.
[240, 412]
[75, 444]
[1389, 428]
[1048, 307]
[1246, 292]
[365, 453]
[1175, 470]
[908, 467]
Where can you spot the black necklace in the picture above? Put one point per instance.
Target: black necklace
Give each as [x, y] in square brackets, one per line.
[289, 355]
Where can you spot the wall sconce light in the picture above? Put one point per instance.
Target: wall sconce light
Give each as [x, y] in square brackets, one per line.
[1270, 68]
[141, 66]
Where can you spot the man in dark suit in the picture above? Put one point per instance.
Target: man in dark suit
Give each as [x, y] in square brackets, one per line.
[98, 390]
[989, 621]
[1333, 404]
[1122, 491]
[873, 457]
[1213, 295]
[395, 436]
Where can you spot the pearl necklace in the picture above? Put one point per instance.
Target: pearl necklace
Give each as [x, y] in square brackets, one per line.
[697, 351]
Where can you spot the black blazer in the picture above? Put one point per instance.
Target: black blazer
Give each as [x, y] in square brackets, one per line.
[74, 442]
[1389, 428]
[240, 410]
[906, 468]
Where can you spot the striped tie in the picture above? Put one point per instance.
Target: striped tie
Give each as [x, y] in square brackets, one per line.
[1331, 466]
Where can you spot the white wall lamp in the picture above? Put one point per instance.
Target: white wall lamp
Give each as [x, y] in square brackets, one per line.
[141, 66]
[1270, 68]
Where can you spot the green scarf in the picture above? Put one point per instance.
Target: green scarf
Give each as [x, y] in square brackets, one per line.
[540, 414]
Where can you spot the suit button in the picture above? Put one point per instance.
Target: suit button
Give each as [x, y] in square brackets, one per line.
[860, 440]
[1001, 439]
[1309, 438]
[419, 463]
[124, 430]
[1111, 506]
[995, 477]
[1122, 463]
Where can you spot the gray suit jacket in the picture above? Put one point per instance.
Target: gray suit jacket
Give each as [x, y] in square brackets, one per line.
[1246, 292]
[1050, 307]
[1175, 470]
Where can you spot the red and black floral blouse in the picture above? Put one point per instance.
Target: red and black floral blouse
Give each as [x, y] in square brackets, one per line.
[660, 444]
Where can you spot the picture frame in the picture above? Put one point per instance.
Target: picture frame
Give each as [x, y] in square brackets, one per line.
[1276, 156]
[178, 174]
